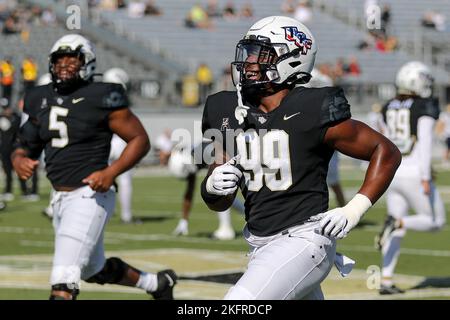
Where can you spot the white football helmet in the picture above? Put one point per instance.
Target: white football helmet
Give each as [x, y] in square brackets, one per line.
[117, 75]
[78, 45]
[283, 49]
[319, 80]
[415, 78]
[181, 163]
[46, 78]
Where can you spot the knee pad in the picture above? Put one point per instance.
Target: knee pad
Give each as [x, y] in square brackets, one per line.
[113, 272]
[70, 288]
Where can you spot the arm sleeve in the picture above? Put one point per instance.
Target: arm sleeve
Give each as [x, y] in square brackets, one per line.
[425, 140]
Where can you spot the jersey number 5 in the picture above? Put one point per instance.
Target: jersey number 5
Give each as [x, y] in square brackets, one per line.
[272, 151]
[60, 126]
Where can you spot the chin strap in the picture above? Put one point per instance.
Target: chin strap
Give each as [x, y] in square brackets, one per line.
[240, 113]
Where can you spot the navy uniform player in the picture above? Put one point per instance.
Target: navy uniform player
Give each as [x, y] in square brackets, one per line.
[280, 161]
[72, 119]
[408, 120]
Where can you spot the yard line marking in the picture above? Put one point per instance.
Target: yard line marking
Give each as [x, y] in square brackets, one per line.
[117, 236]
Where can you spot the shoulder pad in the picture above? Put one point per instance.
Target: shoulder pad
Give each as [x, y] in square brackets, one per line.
[430, 107]
[335, 107]
[223, 102]
[112, 95]
[34, 98]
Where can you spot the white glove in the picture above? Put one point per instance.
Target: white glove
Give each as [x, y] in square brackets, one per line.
[182, 228]
[338, 222]
[224, 179]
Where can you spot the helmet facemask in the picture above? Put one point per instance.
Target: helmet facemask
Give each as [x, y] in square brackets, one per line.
[255, 65]
[75, 79]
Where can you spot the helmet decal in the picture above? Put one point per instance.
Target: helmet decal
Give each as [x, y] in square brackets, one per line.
[299, 38]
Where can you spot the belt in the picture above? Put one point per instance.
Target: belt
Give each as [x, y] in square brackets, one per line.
[66, 189]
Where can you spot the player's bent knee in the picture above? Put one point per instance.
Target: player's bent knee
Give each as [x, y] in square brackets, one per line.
[70, 288]
[113, 272]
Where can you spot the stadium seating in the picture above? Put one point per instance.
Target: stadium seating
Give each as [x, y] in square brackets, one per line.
[216, 47]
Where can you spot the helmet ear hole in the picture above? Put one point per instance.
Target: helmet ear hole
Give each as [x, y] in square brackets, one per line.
[295, 64]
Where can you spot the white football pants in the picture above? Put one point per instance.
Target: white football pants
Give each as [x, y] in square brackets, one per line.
[287, 266]
[125, 194]
[405, 193]
[79, 218]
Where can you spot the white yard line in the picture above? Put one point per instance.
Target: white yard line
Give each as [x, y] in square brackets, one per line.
[113, 237]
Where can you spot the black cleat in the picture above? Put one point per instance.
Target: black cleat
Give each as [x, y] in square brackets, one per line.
[388, 228]
[166, 282]
[390, 290]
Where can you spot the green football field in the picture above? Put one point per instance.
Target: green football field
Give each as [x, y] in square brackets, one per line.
[208, 266]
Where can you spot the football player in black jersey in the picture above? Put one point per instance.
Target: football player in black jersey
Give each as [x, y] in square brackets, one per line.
[72, 119]
[278, 142]
[408, 120]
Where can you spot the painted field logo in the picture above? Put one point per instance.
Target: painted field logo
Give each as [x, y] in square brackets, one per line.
[299, 38]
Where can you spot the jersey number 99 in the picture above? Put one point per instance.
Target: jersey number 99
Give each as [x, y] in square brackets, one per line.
[272, 151]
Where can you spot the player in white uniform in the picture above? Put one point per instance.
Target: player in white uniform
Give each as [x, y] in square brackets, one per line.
[408, 120]
[181, 164]
[117, 75]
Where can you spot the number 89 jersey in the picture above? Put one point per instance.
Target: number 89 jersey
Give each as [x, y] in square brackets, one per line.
[72, 129]
[401, 119]
[282, 153]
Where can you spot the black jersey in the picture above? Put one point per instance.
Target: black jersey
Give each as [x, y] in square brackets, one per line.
[401, 117]
[283, 156]
[203, 154]
[9, 126]
[73, 130]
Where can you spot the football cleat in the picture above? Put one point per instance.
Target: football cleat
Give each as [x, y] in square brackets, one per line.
[166, 282]
[32, 197]
[390, 290]
[388, 228]
[7, 197]
[224, 233]
[48, 212]
[182, 228]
